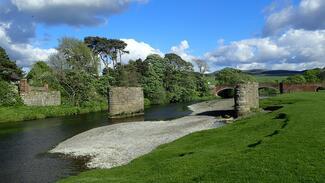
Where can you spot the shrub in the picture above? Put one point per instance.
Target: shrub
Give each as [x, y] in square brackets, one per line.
[9, 94]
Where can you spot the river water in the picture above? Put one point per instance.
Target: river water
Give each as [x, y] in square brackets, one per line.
[23, 153]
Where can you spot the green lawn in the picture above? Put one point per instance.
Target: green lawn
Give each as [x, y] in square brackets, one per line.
[23, 113]
[269, 79]
[287, 145]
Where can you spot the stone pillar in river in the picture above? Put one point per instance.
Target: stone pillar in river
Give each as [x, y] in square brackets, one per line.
[125, 102]
[246, 98]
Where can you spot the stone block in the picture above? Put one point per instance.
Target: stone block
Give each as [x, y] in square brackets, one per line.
[125, 101]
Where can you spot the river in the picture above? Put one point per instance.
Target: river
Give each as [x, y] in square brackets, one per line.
[23, 153]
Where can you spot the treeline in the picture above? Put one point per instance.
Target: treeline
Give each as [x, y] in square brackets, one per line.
[309, 76]
[75, 71]
[9, 72]
[167, 79]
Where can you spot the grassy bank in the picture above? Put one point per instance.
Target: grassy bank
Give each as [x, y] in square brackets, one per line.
[286, 145]
[24, 113]
[270, 79]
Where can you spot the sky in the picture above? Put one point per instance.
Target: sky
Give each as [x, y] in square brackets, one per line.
[252, 34]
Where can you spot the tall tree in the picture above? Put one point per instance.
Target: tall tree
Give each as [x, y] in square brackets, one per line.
[78, 55]
[177, 63]
[9, 71]
[76, 69]
[202, 65]
[109, 50]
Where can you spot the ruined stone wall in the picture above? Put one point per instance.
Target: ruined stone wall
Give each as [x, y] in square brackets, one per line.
[126, 101]
[39, 98]
[246, 98]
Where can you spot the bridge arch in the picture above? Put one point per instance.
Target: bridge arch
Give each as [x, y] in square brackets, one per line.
[268, 91]
[320, 88]
[226, 92]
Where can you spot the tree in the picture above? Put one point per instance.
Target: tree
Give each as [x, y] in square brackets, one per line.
[9, 71]
[78, 56]
[177, 63]
[232, 76]
[9, 94]
[154, 68]
[296, 79]
[312, 76]
[202, 65]
[109, 50]
[41, 74]
[322, 75]
[76, 69]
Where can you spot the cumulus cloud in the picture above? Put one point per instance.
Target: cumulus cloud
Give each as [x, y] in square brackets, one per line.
[138, 50]
[295, 49]
[308, 15]
[24, 54]
[19, 20]
[182, 51]
[22, 16]
[71, 12]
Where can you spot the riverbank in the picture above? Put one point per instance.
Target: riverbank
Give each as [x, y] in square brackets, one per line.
[285, 145]
[25, 113]
[131, 140]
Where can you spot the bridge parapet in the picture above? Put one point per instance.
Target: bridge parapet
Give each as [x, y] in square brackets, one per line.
[282, 87]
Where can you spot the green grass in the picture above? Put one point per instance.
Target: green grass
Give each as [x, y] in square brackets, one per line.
[24, 113]
[287, 145]
[269, 79]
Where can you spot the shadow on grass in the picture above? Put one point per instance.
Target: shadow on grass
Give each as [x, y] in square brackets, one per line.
[255, 144]
[272, 108]
[185, 154]
[222, 113]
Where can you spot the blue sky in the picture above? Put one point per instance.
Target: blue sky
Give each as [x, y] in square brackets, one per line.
[250, 34]
[164, 23]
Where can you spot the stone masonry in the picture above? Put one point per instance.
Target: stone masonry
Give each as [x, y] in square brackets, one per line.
[246, 98]
[38, 96]
[125, 101]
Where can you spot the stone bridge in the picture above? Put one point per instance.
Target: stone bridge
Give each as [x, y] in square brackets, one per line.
[281, 87]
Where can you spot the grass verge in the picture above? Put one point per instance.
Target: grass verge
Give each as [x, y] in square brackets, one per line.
[286, 145]
[24, 113]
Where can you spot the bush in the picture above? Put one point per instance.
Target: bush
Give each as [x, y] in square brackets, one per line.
[232, 76]
[9, 94]
[296, 79]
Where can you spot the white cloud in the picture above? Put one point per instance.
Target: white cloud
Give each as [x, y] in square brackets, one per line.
[25, 54]
[182, 51]
[19, 19]
[23, 16]
[295, 49]
[138, 50]
[71, 12]
[308, 15]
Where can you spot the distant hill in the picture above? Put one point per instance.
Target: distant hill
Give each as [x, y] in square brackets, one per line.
[272, 72]
[261, 72]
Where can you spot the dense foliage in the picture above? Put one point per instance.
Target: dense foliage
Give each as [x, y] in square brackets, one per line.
[109, 50]
[9, 71]
[232, 76]
[168, 79]
[76, 69]
[309, 76]
[9, 94]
